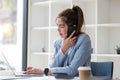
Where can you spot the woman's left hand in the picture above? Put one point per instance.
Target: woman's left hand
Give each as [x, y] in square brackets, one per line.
[68, 42]
[32, 70]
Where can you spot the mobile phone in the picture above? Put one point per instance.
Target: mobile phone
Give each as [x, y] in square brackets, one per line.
[70, 30]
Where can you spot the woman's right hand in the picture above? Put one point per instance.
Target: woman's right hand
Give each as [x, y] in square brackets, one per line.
[68, 42]
[32, 70]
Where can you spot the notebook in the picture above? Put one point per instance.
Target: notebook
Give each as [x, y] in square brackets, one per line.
[19, 74]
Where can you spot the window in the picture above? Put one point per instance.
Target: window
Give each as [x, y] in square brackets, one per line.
[13, 31]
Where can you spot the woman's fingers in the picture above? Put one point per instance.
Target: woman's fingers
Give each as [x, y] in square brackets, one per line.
[33, 71]
[27, 72]
[74, 38]
[28, 68]
[72, 34]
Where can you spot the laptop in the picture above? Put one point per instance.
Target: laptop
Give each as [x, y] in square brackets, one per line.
[19, 74]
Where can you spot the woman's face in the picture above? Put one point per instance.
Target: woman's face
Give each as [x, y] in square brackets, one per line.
[62, 27]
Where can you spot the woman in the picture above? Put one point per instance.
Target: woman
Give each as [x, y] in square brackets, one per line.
[72, 51]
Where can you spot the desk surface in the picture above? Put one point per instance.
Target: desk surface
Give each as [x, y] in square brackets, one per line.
[9, 76]
[40, 78]
[33, 78]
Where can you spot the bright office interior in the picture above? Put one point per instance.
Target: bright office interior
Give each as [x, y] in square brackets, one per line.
[102, 22]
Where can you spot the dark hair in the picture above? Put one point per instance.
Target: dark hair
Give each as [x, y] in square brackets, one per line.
[73, 17]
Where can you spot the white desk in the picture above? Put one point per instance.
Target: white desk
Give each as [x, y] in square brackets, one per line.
[50, 78]
[8, 75]
[33, 78]
[40, 78]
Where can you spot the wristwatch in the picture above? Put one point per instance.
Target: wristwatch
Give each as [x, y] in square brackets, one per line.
[46, 70]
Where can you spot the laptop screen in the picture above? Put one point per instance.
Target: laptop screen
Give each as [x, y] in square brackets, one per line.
[18, 74]
[4, 62]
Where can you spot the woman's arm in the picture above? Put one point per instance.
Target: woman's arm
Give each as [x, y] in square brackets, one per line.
[82, 54]
[58, 57]
[60, 50]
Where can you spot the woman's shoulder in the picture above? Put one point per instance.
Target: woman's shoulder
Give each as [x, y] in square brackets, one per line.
[83, 37]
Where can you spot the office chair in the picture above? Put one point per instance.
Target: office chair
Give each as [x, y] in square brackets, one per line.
[102, 69]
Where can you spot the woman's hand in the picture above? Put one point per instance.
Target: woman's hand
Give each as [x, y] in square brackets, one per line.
[68, 42]
[32, 70]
